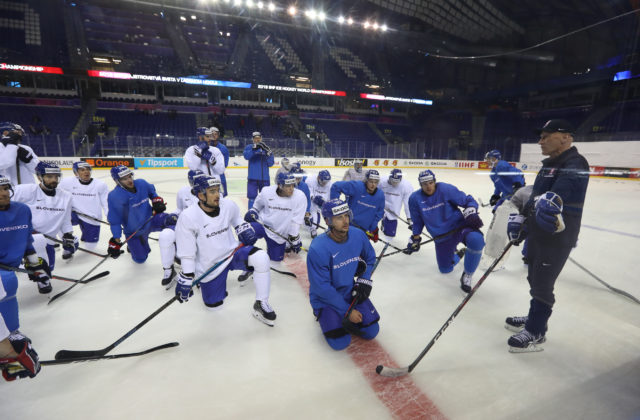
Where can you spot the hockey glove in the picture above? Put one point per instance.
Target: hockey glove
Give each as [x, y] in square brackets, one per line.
[295, 244]
[265, 148]
[158, 205]
[318, 201]
[24, 155]
[252, 216]
[373, 235]
[201, 148]
[208, 157]
[516, 228]
[361, 290]
[494, 199]
[516, 186]
[26, 364]
[410, 222]
[549, 212]
[69, 245]
[361, 269]
[307, 219]
[114, 248]
[246, 234]
[413, 245]
[184, 286]
[170, 220]
[471, 218]
[12, 138]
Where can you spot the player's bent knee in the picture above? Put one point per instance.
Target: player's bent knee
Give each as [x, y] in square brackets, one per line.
[167, 236]
[475, 241]
[259, 260]
[140, 259]
[339, 343]
[445, 269]
[216, 306]
[370, 332]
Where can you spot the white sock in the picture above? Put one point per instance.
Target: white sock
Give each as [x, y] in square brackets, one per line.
[167, 244]
[261, 275]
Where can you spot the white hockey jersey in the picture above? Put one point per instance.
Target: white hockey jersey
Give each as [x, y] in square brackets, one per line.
[90, 199]
[194, 162]
[202, 240]
[395, 196]
[353, 175]
[50, 215]
[8, 168]
[185, 199]
[282, 214]
[316, 189]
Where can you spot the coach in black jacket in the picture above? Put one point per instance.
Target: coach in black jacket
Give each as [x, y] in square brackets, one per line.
[551, 218]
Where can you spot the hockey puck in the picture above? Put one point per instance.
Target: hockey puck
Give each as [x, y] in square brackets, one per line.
[378, 369]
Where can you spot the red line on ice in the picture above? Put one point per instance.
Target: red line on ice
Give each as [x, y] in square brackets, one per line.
[403, 398]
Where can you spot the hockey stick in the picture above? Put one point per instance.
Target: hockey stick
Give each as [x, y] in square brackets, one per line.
[346, 323]
[94, 358]
[22, 270]
[395, 372]
[444, 235]
[101, 221]
[88, 251]
[286, 273]
[381, 240]
[613, 289]
[483, 204]
[276, 233]
[105, 258]
[72, 354]
[405, 221]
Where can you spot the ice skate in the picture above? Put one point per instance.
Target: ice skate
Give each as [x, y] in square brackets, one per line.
[242, 278]
[525, 342]
[264, 313]
[515, 323]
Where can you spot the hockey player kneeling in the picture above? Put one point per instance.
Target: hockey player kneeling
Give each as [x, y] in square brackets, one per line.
[340, 303]
[204, 236]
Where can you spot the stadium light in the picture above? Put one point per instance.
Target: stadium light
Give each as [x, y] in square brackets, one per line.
[271, 7]
[341, 20]
[311, 14]
[350, 21]
[260, 5]
[194, 17]
[249, 4]
[292, 10]
[375, 26]
[237, 3]
[384, 28]
[182, 18]
[366, 25]
[321, 15]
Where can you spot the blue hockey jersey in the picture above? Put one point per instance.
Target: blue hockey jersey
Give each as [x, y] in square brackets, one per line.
[259, 163]
[440, 212]
[130, 210]
[367, 209]
[332, 266]
[504, 176]
[225, 153]
[15, 234]
[302, 186]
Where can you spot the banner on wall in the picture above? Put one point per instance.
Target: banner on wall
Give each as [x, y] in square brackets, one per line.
[384, 162]
[349, 162]
[158, 162]
[109, 162]
[62, 162]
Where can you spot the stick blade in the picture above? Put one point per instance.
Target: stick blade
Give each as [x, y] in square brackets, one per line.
[97, 276]
[390, 372]
[74, 354]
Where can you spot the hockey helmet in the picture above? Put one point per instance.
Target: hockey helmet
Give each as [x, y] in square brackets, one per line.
[395, 177]
[192, 175]
[335, 207]
[78, 165]
[426, 176]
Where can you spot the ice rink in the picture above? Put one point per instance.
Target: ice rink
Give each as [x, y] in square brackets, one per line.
[230, 366]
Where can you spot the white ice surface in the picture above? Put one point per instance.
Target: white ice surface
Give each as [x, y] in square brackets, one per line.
[230, 366]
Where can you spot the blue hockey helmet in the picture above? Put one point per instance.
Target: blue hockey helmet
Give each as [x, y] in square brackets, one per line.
[426, 176]
[335, 207]
[202, 183]
[202, 131]
[192, 175]
[9, 126]
[323, 177]
[119, 172]
[495, 153]
[284, 178]
[80, 164]
[47, 168]
[395, 177]
[372, 174]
